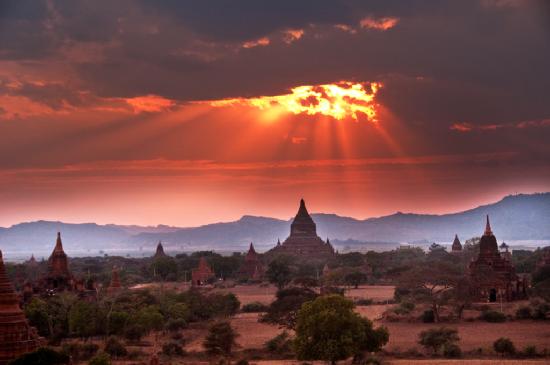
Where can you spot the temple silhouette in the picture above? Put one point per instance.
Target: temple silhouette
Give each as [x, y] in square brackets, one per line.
[303, 240]
[493, 275]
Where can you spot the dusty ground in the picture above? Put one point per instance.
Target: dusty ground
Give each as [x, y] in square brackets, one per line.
[403, 336]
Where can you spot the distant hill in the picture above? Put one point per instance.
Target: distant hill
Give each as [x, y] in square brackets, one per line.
[517, 217]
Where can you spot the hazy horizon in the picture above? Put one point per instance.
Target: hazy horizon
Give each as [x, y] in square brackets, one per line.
[292, 210]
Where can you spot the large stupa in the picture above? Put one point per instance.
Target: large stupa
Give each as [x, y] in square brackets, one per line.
[17, 337]
[303, 240]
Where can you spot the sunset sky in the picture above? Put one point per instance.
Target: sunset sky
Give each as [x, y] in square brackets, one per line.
[191, 112]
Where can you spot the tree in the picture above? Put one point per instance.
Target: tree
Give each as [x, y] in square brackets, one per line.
[355, 278]
[504, 346]
[431, 282]
[114, 348]
[220, 339]
[37, 314]
[165, 267]
[84, 319]
[328, 329]
[278, 272]
[438, 339]
[284, 309]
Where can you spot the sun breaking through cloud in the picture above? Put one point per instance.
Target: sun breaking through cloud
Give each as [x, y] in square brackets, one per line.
[344, 99]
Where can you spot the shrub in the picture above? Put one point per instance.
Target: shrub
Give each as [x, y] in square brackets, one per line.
[42, 356]
[405, 308]
[242, 362]
[523, 313]
[529, 351]
[452, 351]
[79, 352]
[254, 307]
[172, 349]
[174, 325]
[280, 344]
[100, 359]
[541, 311]
[493, 316]
[134, 332]
[437, 339]
[114, 348]
[220, 339]
[504, 346]
[428, 316]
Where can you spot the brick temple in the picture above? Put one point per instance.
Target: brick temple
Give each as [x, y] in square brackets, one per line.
[493, 273]
[252, 267]
[17, 337]
[202, 274]
[58, 278]
[303, 240]
[115, 285]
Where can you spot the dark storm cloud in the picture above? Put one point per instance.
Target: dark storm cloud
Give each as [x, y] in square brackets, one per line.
[444, 62]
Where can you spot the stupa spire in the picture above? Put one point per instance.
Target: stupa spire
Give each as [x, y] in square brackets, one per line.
[58, 244]
[488, 230]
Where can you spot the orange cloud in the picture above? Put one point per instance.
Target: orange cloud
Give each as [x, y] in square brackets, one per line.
[149, 103]
[379, 24]
[465, 127]
[345, 28]
[262, 42]
[341, 100]
[292, 35]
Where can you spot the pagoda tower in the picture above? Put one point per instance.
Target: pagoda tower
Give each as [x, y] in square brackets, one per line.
[160, 251]
[58, 277]
[17, 337]
[252, 267]
[115, 285]
[494, 276]
[202, 274]
[303, 240]
[457, 246]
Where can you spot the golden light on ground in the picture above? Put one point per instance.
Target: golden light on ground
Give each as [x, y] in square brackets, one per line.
[341, 100]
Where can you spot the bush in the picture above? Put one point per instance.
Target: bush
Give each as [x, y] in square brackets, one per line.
[220, 339]
[42, 356]
[437, 339]
[134, 332]
[280, 344]
[541, 311]
[504, 346]
[101, 359]
[242, 362]
[529, 351]
[174, 325]
[428, 316]
[405, 308]
[172, 349]
[452, 351]
[79, 352]
[254, 307]
[493, 316]
[523, 313]
[114, 348]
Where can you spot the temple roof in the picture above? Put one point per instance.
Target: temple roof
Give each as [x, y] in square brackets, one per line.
[160, 250]
[457, 246]
[302, 223]
[58, 244]
[488, 231]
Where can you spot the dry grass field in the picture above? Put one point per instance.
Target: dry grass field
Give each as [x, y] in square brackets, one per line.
[403, 336]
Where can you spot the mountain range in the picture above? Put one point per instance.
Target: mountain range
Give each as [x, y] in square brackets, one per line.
[522, 217]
